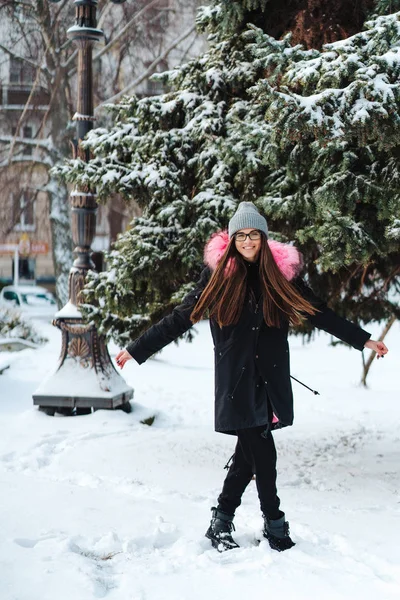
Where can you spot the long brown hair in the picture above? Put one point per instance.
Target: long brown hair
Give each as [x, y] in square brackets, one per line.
[224, 295]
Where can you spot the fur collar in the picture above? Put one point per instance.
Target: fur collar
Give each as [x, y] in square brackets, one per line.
[287, 257]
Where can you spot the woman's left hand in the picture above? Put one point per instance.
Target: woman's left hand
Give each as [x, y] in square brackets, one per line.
[378, 347]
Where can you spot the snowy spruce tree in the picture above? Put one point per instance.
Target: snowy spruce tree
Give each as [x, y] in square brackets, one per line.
[311, 136]
[386, 7]
[332, 132]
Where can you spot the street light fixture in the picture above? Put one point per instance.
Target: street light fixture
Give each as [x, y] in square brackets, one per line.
[85, 377]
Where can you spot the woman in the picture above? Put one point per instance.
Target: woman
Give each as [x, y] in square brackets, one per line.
[252, 292]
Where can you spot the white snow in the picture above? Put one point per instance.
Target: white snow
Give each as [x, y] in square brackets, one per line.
[75, 379]
[103, 506]
[69, 311]
[111, 176]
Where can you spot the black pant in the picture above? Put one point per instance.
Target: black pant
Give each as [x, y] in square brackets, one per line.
[255, 453]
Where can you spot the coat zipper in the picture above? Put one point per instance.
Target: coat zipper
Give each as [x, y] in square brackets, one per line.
[237, 383]
[257, 305]
[257, 302]
[273, 408]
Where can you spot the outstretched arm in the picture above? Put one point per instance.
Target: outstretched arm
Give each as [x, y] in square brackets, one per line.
[341, 328]
[167, 330]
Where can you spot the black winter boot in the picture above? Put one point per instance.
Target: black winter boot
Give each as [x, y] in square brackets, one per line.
[220, 530]
[277, 533]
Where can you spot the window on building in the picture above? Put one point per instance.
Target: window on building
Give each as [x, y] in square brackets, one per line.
[27, 132]
[21, 72]
[24, 214]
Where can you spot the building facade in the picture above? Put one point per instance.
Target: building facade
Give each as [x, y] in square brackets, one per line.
[28, 115]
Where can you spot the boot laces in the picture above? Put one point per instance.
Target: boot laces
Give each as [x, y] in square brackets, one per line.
[231, 526]
[286, 528]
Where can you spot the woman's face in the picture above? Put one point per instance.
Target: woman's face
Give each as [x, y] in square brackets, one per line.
[248, 248]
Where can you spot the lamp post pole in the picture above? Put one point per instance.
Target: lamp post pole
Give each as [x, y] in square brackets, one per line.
[85, 377]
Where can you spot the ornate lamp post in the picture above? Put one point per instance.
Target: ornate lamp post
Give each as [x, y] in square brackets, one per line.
[85, 377]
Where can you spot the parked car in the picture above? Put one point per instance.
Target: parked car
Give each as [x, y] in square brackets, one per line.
[32, 300]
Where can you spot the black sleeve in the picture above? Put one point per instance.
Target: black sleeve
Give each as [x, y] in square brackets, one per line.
[329, 321]
[170, 327]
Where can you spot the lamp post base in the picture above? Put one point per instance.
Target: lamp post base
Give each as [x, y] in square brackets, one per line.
[86, 377]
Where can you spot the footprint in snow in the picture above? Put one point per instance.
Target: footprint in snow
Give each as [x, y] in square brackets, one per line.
[25, 543]
[96, 556]
[31, 543]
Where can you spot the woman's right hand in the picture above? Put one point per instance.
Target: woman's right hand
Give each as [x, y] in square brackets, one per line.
[122, 357]
[378, 347]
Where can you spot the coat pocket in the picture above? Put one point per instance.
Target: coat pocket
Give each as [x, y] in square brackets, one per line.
[222, 349]
[235, 387]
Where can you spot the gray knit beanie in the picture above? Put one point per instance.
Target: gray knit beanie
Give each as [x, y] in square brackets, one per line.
[247, 217]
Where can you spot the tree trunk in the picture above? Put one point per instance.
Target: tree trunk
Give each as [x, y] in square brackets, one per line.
[367, 365]
[61, 238]
[313, 22]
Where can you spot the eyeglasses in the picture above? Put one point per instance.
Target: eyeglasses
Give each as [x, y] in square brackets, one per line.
[253, 235]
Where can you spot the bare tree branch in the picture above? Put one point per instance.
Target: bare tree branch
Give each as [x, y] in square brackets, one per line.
[17, 215]
[48, 50]
[103, 14]
[119, 36]
[187, 49]
[48, 37]
[22, 116]
[24, 59]
[69, 61]
[50, 106]
[150, 69]
[42, 43]
[125, 29]
[16, 2]
[60, 9]
[367, 364]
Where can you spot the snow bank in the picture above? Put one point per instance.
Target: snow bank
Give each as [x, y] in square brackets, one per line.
[103, 506]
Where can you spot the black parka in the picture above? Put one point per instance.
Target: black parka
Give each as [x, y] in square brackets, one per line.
[251, 359]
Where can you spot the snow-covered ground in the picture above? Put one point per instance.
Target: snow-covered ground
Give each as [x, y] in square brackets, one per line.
[103, 506]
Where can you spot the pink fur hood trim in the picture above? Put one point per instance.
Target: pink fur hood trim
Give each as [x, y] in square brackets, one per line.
[287, 257]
